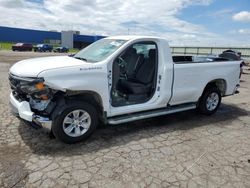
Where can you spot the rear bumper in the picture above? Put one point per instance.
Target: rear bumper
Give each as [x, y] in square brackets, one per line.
[236, 89]
[22, 110]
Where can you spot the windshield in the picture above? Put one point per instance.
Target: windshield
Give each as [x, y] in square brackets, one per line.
[99, 50]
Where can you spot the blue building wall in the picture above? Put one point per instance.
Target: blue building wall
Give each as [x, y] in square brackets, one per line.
[8, 34]
[87, 38]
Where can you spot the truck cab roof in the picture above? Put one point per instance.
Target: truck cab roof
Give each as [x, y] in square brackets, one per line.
[132, 37]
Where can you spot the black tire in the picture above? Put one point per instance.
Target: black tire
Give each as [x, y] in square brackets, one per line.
[70, 106]
[202, 106]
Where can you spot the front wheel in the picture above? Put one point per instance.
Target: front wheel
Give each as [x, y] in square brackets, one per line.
[75, 122]
[209, 101]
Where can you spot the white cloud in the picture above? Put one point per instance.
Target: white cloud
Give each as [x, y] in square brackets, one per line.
[98, 16]
[105, 17]
[243, 16]
[244, 31]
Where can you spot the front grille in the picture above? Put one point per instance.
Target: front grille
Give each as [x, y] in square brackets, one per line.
[15, 85]
[16, 81]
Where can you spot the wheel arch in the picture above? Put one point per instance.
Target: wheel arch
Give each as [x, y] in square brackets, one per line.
[220, 83]
[91, 97]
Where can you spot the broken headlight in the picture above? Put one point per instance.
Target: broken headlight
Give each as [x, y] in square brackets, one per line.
[36, 89]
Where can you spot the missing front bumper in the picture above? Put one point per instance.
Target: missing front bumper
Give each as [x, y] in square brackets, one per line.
[22, 110]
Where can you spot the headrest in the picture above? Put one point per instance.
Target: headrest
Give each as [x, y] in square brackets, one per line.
[131, 51]
[152, 53]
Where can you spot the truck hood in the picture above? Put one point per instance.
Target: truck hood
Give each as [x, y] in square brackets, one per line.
[32, 67]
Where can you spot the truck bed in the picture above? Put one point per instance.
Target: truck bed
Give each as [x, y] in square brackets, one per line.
[196, 59]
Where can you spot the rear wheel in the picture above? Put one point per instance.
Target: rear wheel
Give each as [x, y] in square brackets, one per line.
[210, 101]
[75, 122]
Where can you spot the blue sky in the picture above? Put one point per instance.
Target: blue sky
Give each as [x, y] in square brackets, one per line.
[217, 17]
[182, 22]
[36, 1]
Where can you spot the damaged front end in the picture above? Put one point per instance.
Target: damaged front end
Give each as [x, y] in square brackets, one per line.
[32, 100]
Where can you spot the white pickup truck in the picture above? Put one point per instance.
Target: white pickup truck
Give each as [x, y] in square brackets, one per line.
[117, 80]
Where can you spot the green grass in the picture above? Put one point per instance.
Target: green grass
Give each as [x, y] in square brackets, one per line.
[6, 45]
[73, 50]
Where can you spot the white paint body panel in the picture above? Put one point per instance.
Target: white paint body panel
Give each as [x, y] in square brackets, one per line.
[23, 108]
[91, 77]
[32, 67]
[189, 80]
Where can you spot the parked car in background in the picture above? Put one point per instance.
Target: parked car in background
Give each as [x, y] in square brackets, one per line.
[233, 56]
[43, 48]
[22, 47]
[61, 49]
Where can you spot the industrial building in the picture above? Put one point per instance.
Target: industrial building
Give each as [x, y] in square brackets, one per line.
[71, 39]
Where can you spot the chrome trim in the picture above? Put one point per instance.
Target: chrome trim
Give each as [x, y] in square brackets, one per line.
[46, 123]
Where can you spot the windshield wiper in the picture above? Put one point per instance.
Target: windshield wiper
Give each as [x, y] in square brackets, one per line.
[81, 58]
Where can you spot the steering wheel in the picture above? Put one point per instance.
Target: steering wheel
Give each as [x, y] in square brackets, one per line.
[123, 65]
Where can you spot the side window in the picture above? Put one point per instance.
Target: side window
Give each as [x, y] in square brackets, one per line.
[138, 54]
[144, 48]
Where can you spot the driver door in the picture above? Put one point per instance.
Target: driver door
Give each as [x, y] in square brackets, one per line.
[134, 79]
